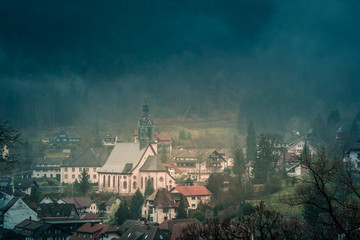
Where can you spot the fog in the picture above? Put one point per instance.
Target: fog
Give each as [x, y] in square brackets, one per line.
[276, 62]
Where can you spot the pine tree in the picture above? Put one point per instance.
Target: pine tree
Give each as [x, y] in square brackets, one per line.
[136, 204]
[239, 163]
[122, 213]
[84, 184]
[149, 189]
[267, 158]
[34, 194]
[181, 213]
[251, 143]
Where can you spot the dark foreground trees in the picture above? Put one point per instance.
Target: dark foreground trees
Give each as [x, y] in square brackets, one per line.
[8, 137]
[330, 195]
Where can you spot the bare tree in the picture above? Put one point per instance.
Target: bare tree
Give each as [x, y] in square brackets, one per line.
[8, 137]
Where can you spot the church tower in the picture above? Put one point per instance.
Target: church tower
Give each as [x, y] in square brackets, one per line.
[145, 127]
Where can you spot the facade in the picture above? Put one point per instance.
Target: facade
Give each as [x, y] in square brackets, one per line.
[96, 231]
[109, 140]
[82, 204]
[16, 211]
[91, 160]
[164, 142]
[194, 194]
[30, 229]
[67, 137]
[48, 167]
[352, 156]
[298, 146]
[162, 205]
[130, 165]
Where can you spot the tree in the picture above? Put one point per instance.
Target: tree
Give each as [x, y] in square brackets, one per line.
[215, 184]
[331, 193]
[136, 205]
[8, 138]
[319, 134]
[239, 163]
[84, 184]
[149, 189]
[251, 143]
[182, 134]
[122, 213]
[34, 194]
[181, 211]
[267, 157]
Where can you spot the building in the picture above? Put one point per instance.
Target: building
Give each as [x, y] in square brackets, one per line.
[194, 194]
[67, 137]
[91, 160]
[162, 205]
[146, 232]
[15, 211]
[82, 204]
[96, 231]
[31, 229]
[48, 167]
[109, 140]
[164, 142]
[297, 147]
[217, 161]
[174, 227]
[131, 164]
[352, 156]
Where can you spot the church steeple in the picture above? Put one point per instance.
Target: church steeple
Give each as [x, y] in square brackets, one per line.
[145, 127]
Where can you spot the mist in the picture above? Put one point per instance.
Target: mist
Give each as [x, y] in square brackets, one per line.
[271, 61]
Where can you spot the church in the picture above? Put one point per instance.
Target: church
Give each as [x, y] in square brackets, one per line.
[131, 164]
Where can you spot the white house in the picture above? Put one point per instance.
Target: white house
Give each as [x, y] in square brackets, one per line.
[352, 156]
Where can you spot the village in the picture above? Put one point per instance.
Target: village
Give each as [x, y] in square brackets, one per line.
[144, 189]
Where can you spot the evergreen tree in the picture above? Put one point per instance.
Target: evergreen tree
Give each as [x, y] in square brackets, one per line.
[267, 158]
[239, 163]
[34, 194]
[215, 184]
[181, 212]
[319, 134]
[149, 189]
[122, 213]
[84, 184]
[189, 136]
[251, 143]
[136, 204]
[182, 134]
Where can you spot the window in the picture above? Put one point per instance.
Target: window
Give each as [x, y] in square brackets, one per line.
[94, 176]
[193, 198]
[79, 175]
[65, 169]
[193, 205]
[134, 185]
[65, 176]
[73, 169]
[94, 169]
[165, 210]
[142, 182]
[80, 169]
[125, 185]
[73, 176]
[108, 181]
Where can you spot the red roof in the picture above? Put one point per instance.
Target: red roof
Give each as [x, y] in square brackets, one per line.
[193, 190]
[95, 229]
[164, 137]
[90, 216]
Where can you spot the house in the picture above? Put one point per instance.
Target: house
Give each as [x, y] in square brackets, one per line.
[82, 204]
[174, 227]
[67, 137]
[352, 156]
[162, 205]
[91, 160]
[96, 231]
[48, 198]
[194, 194]
[164, 142]
[47, 167]
[25, 185]
[216, 161]
[31, 229]
[144, 232]
[131, 164]
[14, 210]
[109, 140]
[111, 205]
[297, 146]
[64, 211]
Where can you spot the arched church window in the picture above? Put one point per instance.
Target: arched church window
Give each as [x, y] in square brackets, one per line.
[142, 182]
[134, 185]
[113, 181]
[104, 181]
[125, 185]
[108, 181]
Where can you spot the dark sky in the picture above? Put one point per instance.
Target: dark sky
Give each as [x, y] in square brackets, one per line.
[306, 47]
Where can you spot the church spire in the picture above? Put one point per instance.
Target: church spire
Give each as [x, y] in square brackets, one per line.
[145, 127]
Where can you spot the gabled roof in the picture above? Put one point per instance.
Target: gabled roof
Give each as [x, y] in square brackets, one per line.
[58, 210]
[193, 190]
[140, 232]
[153, 164]
[57, 161]
[164, 199]
[121, 156]
[92, 157]
[24, 184]
[111, 201]
[79, 202]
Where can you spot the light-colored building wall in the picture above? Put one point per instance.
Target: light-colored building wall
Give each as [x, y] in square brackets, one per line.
[18, 213]
[158, 215]
[46, 173]
[194, 201]
[70, 174]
